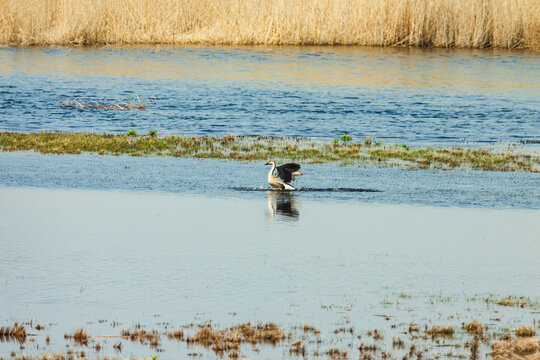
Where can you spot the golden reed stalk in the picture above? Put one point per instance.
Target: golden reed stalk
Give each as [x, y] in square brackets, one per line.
[436, 23]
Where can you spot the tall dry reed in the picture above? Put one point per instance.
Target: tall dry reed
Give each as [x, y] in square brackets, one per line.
[438, 23]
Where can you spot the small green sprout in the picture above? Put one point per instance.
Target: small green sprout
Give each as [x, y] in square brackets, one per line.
[345, 138]
[152, 133]
[132, 133]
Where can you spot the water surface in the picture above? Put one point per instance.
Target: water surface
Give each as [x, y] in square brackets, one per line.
[73, 257]
[413, 96]
[248, 180]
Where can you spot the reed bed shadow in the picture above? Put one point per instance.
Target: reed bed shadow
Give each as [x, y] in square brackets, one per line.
[134, 104]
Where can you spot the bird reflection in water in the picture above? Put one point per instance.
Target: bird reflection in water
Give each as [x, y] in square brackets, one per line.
[282, 205]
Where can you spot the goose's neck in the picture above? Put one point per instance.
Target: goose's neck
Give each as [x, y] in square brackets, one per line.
[271, 173]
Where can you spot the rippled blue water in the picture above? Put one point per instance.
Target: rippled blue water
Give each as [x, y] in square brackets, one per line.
[248, 180]
[395, 95]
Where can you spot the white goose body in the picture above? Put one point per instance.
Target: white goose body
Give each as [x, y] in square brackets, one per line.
[285, 174]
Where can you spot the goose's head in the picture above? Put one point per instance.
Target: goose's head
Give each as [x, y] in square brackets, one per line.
[271, 162]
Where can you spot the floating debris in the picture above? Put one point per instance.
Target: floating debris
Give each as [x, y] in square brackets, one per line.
[134, 104]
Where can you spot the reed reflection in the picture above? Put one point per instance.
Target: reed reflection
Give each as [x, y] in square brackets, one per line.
[282, 205]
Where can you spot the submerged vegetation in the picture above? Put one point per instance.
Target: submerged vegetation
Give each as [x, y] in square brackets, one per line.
[253, 148]
[434, 23]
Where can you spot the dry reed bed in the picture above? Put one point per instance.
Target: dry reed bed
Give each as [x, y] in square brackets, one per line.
[264, 148]
[436, 23]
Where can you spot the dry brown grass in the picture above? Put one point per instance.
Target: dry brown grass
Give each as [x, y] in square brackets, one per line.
[229, 340]
[525, 331]
[142, 336]
[17, 332]
[525, 349]
[337, 354]
[439, 23]
[177, 334]
[444, 331]
[80, 336]
[297, 348]
[57, 356]
[513, 302]
[475, 328]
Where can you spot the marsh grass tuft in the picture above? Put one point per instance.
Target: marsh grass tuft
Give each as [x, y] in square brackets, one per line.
[337, 354]
[16, 332]
[298, 349]
[440, 331]
[475, 328]
[80, 336]
[254, 148]
[513, 301]
[177, 334]
[229, 340]
[144, 337]
[521, 348]
[525, 331]
[345, 138]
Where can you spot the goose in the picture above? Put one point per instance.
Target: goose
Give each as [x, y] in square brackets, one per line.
[285, 174]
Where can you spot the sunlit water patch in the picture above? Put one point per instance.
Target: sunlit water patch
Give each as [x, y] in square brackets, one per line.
[395, 95]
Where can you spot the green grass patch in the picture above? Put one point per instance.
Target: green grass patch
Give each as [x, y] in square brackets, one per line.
[253, 148]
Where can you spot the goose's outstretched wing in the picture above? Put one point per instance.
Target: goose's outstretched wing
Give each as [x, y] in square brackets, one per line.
[285, 171]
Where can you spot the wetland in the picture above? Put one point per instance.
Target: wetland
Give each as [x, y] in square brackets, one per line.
[136, 220]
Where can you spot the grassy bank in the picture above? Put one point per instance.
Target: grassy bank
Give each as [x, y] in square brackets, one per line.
[265, 148]
[437, 23]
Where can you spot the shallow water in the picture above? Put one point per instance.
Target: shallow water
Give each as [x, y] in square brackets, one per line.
[73, 257]
[412, 96]
[248, 180]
